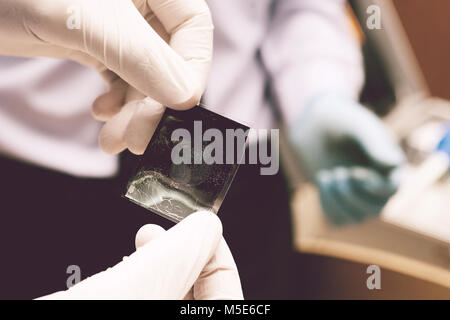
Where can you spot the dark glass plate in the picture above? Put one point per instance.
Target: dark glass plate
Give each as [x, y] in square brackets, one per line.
[174, 190]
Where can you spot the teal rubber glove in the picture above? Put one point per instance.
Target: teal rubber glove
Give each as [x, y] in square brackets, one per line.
[348, 152]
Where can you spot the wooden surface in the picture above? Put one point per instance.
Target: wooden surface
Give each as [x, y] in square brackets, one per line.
[421, 262]
[427, 25]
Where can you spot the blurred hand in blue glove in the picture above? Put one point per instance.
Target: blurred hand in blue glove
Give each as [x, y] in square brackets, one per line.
[349, 154]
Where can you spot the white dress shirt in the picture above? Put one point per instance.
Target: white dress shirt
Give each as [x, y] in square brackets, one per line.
[45, 116]
[306, 48]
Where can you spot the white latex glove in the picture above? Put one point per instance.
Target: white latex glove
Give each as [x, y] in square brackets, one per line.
[191, 260]
[152, 53]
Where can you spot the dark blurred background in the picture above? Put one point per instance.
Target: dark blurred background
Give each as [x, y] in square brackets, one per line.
[428, 29]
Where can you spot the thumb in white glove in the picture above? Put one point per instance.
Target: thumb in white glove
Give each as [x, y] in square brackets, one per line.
[126, 42]
[219, 280]
[167, 265]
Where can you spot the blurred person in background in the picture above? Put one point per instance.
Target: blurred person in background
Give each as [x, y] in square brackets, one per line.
[296, 63]
[291, 61]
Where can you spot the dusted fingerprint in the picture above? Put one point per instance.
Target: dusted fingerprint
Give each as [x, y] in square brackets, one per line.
[175, 190]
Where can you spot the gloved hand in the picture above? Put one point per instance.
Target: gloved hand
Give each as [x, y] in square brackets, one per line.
[191, 261]
[151, 52]
[349, 154]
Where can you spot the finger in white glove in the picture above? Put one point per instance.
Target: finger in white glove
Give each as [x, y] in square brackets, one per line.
[219, 279]
[133, 126]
